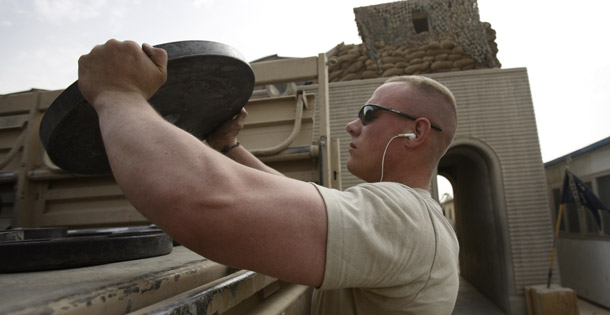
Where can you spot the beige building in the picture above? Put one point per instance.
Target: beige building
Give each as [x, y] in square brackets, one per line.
[583, 246]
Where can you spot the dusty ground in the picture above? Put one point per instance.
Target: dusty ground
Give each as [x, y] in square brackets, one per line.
[472, 302]
[587, 308]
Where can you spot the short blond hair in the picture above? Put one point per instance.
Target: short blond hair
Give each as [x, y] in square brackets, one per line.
[427, 84]
[448, 120]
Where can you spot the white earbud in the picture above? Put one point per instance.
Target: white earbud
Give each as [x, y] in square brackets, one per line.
[408, 135]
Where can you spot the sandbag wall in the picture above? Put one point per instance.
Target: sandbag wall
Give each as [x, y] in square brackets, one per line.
[351, 62]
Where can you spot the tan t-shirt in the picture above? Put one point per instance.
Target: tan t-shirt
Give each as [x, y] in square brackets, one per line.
[390, 250]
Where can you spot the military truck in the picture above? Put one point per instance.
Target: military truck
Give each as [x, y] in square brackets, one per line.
[287, 128]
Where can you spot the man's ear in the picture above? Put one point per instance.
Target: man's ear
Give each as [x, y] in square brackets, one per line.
[422, 131]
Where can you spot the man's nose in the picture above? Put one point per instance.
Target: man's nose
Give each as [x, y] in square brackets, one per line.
[353, 127]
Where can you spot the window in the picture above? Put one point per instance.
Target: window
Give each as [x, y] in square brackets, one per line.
[572, 215]
[582, 221]
[592, 225]
[606, 222]
[420, 21]
[603, 193]
[590, 222]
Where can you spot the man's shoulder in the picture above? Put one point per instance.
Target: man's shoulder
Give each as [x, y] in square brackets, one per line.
[394, 190]
[384, 190]
[382, 186]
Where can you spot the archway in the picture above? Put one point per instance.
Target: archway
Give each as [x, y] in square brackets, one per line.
[480, 221]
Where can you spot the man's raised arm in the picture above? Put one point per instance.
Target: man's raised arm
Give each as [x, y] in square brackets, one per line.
[228, 212]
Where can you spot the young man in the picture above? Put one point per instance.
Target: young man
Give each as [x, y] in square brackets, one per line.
[377, 248]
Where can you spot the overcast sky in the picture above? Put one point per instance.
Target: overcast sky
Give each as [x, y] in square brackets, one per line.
[563, 44]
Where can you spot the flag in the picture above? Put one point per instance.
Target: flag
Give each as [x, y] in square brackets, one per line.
[575, 191]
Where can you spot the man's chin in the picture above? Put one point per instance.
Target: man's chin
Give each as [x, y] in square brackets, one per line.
[354, 171]
[349, 165]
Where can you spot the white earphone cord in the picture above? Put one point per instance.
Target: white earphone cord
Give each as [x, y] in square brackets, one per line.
[384, 152]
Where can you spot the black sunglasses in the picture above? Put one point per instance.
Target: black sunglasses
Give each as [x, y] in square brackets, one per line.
[367, 114]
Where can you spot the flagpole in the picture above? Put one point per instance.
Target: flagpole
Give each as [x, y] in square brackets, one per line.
[559, 216]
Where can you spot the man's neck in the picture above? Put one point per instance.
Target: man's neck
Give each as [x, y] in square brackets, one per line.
[413, 180]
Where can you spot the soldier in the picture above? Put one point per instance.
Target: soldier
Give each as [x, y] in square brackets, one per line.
[382, 247]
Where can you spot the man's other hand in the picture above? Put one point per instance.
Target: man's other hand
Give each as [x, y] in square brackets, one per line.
[226, 134]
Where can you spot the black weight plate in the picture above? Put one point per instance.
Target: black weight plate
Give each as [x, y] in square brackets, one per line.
[207, 83]
[72, 252]
[33, 233]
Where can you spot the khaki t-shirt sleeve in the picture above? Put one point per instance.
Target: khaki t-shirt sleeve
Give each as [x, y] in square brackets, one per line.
[377, 236]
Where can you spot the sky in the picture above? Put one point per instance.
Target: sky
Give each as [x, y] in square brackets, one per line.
[563, 45]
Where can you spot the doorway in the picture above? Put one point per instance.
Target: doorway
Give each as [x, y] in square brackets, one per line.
[480, 221]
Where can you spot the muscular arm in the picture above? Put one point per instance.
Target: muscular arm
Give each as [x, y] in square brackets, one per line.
[228, 212]
[243, 156]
